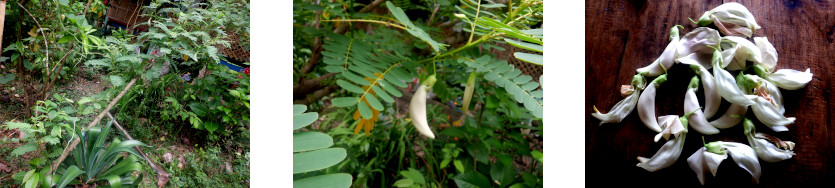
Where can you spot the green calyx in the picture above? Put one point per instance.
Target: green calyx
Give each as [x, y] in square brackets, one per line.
[638, 81]
[660, 80]
[430, 81]
[714, 147]
[750, 81]
[697, 69]
[760, 70]
[705, 19]
[748, 126]
[674, 33]
[716, 60]
[694, 83]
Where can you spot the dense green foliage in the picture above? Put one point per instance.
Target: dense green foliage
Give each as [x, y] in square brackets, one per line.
[372, 54]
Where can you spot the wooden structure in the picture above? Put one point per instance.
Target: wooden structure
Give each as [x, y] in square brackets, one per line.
[127, 13]
[236, 51]
[622, 36]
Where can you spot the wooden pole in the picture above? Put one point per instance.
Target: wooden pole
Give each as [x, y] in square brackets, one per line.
[162, 175]
[2, 21]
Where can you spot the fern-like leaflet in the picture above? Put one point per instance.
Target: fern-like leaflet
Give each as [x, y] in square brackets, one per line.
[520, 86]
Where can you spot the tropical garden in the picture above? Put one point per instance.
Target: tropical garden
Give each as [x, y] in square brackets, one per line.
[417, 93]
[159, 98]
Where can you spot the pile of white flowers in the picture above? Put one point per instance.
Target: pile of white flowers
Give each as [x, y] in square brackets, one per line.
[703, 49]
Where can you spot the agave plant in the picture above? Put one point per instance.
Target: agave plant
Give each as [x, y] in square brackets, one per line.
[95, 161]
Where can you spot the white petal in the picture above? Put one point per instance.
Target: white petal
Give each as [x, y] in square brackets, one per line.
[697, 164]
[745, 157]
[712, 98]
[770, 116]
[727, 120]
[646, 108]
[768, 52]
[736, 14]
[713, 160]
[620, 110]
[745, 51]
[790, 79]
[670, 125]
[665, 157]
[696, 43]
[697, 119]
[727, 88]
[767, 151]
[776, 96]
[667, 58]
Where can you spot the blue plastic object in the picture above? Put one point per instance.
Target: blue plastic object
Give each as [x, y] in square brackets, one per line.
[231, 66]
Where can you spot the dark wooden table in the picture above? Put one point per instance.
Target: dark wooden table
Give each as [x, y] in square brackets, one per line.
[622, 36]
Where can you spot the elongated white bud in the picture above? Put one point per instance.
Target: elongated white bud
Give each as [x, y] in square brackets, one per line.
[468, 91]
[770, 116]
[665, 157]
[646, 104]
[726, 84]
[667, 58]
[728, 120]
[691, 104]
[417, 108]
[625, 106]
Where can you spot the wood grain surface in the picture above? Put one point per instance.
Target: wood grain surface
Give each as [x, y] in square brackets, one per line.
[622, 36]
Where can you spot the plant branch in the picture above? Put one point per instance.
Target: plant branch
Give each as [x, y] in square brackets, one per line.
[472, 27]
[342, 28]
[162, 175]
[317, 95]
[369, 21]
[87, 7]
[95, 121]
[42, 34]
[468, 46]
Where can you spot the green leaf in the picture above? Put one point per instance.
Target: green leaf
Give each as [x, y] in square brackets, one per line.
[306, 141]
[404, 183]
[115, 181]
[413, 175]
[356, 79]
[459, 166]
[537, 155]
[317, 160]
[298, 109]
[344, 101]
[116, 80]
[338, 180]
[391, 90]
[374, 102]
[6, 78]
[304, 119]
[211, 126]
[23, 149]
[524, 45]
[382, 94]
[502, 174]
[530, 58]
[71, 173]
[471, 179]
[412, 29]
[365, 111]
[350, 87]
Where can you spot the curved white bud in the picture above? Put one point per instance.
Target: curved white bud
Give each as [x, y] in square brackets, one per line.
[728, 120]
[732, 19]
[646, 107]
[691, 104]
[770, 116]
[745, 157]
[417, 111]
[619, 111]
[665, 157]
[667, 59]
[767, 151]
[726, 87]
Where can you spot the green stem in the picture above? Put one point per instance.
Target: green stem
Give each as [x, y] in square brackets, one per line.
[468, 46]
[472, 28]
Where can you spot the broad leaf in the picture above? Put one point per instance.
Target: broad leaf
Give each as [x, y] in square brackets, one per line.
[471, 179]
[317, 159]
[338, 180]
[306, 141]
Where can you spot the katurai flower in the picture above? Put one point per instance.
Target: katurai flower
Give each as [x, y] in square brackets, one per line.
[667, 58]
[736, 51]
[625, 106]
[785, 78]
[726, 84]
[769, 148]
[712, 98]
[691, 104]
[670, 125]
[712, 154]
[646, 103]
[768, 106]
[768, 52]
[697, 46]
[732, 19]
[417, 107]
[670, 151]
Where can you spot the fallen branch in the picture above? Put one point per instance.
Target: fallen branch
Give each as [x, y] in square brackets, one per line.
[162, 175]
[95, 121]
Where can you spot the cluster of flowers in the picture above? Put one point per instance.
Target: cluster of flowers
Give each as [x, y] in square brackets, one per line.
[703, 49]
